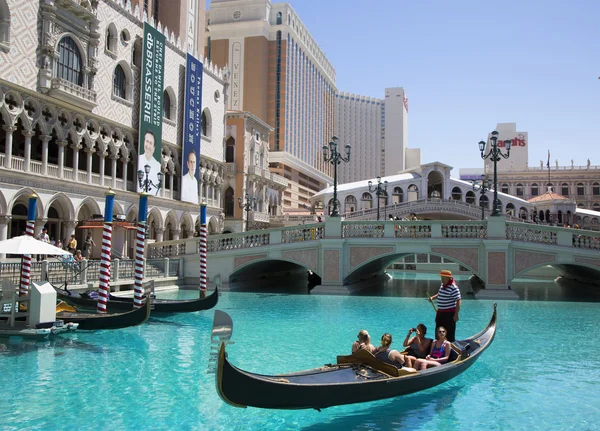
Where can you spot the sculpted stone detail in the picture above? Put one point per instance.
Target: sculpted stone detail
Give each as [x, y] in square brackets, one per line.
[468, 256]
[306, 257]
[359, 255]
[527, 259]
[242, 260]
[496, 267]
[331, 264]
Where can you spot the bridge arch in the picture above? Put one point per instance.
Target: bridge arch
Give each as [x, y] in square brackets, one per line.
[266, 267]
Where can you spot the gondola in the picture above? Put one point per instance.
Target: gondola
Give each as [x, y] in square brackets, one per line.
[119, 304]
[92, 321]
[356, 378]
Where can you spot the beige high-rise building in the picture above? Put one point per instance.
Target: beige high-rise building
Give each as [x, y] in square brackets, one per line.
[280, 75]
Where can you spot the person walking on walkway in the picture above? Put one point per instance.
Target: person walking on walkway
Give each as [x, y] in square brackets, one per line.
[448, 301]
[87, 246]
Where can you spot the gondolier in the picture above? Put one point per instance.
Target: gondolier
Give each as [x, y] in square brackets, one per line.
[449, 301]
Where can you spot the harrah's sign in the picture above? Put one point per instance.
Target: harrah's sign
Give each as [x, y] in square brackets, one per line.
[519, 141]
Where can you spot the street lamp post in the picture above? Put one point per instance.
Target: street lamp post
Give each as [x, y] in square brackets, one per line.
[482, 186]
[331, 155]
[495, 154]
[146, 184]
[247, 206]
[380, 190]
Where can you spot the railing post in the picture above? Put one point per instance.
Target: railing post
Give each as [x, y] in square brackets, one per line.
[44, 274]
[333, 227]
[276, 236]
[167, 266]
[181, 268]
[389, 230]
[84, 270]
[436, 229]
[496, 227]
[564, 237]
[115, 276]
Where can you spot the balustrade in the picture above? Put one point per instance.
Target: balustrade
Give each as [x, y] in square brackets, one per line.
[35, 167]
[531, 233]
[302, 233]
[465, 230]
[18, 163]
[412, 230]
[53, 171]
[363, 230]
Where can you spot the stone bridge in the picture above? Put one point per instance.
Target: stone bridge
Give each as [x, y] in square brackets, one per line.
[344, 252]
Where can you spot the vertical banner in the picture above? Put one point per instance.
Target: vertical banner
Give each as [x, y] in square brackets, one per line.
[192, 116]
[151, 105]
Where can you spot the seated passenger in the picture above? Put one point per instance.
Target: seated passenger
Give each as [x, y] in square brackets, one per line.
[363, 342]
[439, 354]
[418, 346]
[390, 356]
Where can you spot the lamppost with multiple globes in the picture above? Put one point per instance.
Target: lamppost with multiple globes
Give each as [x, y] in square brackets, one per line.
[482, 186]
[333, 156]
[495, 154]
[380, 189]
[146, 183]
[247, 206]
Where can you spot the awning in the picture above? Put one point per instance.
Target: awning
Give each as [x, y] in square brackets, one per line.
[128, 225]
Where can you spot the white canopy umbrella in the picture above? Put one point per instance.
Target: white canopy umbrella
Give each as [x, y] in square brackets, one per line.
[26, 244]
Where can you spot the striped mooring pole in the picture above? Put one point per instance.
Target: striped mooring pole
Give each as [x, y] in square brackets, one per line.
[104, 290]
[138, 293]
[203, 249]
[26, 260]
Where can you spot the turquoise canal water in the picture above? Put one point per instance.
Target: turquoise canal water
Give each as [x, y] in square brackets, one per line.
[541, 373]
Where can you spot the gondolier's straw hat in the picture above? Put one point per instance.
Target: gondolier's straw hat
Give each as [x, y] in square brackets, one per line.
[446, 273]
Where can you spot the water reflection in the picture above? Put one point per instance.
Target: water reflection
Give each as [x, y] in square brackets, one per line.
[409, 412]
[15, 346]
[421, 285]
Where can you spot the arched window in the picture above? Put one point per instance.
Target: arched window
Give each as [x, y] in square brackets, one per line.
[596, 189]
[456, 194]
[119, 82]
[596, 207]
[136, 56]
[398, 195]
[535, 190]
[111, 38]
[564, 189]
[366, 201]
[69, 64]
[279, 18]
[484, 201]
[519, 189]
[504, 188]
[510, 209]
[166, 113]
[230, 150]
[206, 123]
[580, 189]
[229, 202]
[470, 198]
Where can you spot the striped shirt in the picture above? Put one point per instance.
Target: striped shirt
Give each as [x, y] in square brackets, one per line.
[447, 297]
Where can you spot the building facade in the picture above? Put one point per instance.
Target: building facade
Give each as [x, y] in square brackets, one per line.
[69, 105]
[247, 176]
[359, 121]
[280, 75]
[395, 120]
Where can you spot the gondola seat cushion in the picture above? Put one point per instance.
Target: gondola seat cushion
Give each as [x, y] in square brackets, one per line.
[367, 358]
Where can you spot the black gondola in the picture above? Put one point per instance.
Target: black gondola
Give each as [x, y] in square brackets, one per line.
[355, 378]
[91, 321]
[119, 304]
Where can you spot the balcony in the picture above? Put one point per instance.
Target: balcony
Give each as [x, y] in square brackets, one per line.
[279, 180]
[72, 93]
[259, 217]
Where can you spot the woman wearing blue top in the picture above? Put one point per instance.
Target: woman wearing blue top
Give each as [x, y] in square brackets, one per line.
[439, 354]
[385, 354]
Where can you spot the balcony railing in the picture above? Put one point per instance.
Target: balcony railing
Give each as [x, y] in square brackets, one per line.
[72, 93]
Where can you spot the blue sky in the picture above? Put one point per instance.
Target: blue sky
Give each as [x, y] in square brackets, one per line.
[468, 65]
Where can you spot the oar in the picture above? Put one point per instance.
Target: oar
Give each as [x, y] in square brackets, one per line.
[432, 304]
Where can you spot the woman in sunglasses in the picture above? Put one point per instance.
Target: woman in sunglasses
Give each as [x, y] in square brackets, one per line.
[439, 354]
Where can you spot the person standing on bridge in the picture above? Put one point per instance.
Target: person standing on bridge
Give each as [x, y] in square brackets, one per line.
[449, 301]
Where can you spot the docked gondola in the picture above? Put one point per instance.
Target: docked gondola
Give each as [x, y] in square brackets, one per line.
[120, 304]
[355, 378]
[93, 321]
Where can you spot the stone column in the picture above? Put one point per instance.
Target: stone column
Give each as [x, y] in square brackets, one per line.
[8, 148]
[70, 229]
[175, 233]
[124, 160]
[61, 157]
[172, 182]
[102, 162]
[45, 139]
[113, 161]
[4, 220]
[89, 152]
[76, 148]
[39, 224]
[28, 134]
[159, 233]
